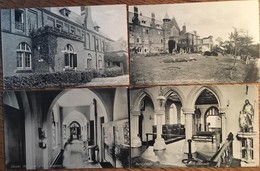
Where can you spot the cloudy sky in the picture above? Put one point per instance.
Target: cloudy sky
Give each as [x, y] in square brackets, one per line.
[212, 18]
[110, 18]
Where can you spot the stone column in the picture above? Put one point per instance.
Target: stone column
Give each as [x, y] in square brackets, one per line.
[135, 139]
[188, 112]
[159, 143]
[222, 112]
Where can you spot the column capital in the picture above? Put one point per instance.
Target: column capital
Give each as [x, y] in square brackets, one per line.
[159, 112]
[187, 111]
[135, 113]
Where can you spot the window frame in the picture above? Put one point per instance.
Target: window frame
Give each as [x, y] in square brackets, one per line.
[24, 51]
[72, 56]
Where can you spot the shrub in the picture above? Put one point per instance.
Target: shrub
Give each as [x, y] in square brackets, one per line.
[41, 80]
[213, 53]
[96, 74]
[113, 72]
[207, 53]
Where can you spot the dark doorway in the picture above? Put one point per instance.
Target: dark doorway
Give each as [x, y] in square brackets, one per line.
[171, 45]
[75, 131]
[14, 138]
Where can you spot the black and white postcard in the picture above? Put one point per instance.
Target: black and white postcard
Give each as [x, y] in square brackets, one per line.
[69, 129]
[64, 46]
[194, 43]
[194, 126]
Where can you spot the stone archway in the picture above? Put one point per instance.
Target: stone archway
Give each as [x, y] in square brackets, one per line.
[74, 117]
[85, 97]
[137, 116]
[75, 131]
[221, 101]
[175, 95]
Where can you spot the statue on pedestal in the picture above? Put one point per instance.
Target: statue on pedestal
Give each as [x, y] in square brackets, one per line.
[246, 117]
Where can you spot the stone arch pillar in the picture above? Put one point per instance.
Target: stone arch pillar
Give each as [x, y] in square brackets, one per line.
[135, 139]
[188, 112]
[159, 143]
[222, 112]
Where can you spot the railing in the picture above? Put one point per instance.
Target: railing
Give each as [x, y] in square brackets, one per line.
[222, 158]
[19, 26]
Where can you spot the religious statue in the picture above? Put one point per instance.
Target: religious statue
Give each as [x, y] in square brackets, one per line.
[246, 117]
[197, 113]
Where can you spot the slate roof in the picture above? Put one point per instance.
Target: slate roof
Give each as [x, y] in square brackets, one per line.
[79, 19]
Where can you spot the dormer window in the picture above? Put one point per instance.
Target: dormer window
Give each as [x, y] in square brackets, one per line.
[59, 25]
[19, 20]
[96, 28]
[72, 30]
[65, 12]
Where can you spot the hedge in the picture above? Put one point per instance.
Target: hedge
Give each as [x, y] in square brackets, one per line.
[41, 80]
[113, 72]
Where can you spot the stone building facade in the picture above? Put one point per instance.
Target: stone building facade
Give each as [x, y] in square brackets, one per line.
[149, 35]
[50, 40]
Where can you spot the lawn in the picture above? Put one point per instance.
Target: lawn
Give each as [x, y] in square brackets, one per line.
[190, 69]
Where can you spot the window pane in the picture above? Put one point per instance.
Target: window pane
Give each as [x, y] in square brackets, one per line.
[19, 60]
[66, 55]
[27, 47]
[71, 60]
[19, 16]
[27, 60]
[23, 46]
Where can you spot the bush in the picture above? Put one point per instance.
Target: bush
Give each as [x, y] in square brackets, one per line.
[213, 53]
[207, 53]
[113, 72]
[96, 74]
[41, 80]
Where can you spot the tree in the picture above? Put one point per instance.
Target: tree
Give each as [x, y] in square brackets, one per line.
[240, 42]
[219, 40]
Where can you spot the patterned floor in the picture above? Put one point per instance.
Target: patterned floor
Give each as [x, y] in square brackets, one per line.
[75, 157]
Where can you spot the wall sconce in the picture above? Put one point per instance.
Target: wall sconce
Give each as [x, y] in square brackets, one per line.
[227, 103]
[161, 98]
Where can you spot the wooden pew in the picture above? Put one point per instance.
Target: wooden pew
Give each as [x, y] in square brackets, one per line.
[204, 135]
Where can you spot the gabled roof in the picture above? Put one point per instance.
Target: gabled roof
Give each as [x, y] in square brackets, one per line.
[145, 21]
[174, 22]
[78, 19]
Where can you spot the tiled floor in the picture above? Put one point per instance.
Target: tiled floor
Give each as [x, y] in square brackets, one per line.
[74, 156]
[174, 153]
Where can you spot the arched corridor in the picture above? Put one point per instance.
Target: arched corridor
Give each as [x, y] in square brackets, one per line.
[64, 129]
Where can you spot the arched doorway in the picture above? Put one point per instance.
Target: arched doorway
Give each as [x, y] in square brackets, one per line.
[75, 131]
[206, 116]
[173, 109]
[171, 45]
[212, 119]
[146, 119]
